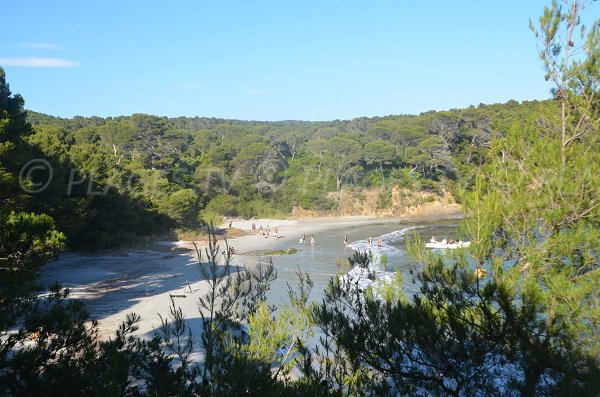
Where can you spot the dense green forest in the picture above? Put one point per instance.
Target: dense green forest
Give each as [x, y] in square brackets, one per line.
[527, 175]
[140, 174]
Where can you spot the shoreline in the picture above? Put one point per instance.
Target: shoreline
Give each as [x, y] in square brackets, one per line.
[292, 228]
[144, 280]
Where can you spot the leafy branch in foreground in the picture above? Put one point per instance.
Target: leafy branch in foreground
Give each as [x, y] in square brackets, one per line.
[532, 327]
[247, 345]
[455, 337]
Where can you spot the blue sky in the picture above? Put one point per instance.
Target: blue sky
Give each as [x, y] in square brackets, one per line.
[268, 60]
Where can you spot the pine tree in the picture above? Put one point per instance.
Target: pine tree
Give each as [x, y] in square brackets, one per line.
[532, 326]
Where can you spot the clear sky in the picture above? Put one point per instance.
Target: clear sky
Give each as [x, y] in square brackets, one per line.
[268, 60]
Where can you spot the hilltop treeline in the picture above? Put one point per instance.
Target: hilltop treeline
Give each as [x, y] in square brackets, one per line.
[121, 176]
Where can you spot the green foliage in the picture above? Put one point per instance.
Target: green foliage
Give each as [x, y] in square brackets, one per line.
[456, 337]
[241, 339]
[543, 217]
[380, 152]
[527, 175]
[181, 206]
[13, 123]
[433, 157]
[147, 158]
[404, 177]
[222, 205]
[141, 161]
[538, 207]
[259, 208]
[288, 251]
[531, 328]
[384, 261]
[210, 180]
[384, 199]
[376, 179]
[342, 262]
[27, 240]
[57, 352]
[57, 349]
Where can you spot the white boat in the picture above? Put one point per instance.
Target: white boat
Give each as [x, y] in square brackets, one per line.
[445, 245]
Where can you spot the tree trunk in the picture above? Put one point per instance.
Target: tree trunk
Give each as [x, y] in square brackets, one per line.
[532, 378]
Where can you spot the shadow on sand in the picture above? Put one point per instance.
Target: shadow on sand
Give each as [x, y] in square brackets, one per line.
[113, 285]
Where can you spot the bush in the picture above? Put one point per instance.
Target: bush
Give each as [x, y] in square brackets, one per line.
[224, 205]
[361, 197]
[324, 204]
[427, 185]
[258, 208]
[210, 218]
[375, 179]
[403, 177]
[384, 199]
[181, 206]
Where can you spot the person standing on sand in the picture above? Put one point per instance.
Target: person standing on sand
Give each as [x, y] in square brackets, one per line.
[312, 240]
[276, 232]
[253, 227]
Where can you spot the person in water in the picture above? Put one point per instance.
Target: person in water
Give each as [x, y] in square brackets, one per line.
[345, 240]
[378, 243]
[370, 241]
[312, 240]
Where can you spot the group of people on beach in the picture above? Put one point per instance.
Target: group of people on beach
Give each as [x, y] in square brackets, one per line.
[370, 241]
[266, 232]
[303, 239]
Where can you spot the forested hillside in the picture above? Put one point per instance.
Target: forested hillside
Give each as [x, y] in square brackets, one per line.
[122, 176]
[517, 313]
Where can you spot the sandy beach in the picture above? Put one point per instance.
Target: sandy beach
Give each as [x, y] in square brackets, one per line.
[143, 281]
[290, 230]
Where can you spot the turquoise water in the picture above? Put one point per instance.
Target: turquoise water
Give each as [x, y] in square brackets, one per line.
[320, 260]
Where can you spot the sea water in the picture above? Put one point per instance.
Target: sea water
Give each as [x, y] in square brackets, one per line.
[319, 260]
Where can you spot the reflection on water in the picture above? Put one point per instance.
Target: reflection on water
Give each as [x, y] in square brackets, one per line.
[320, 260]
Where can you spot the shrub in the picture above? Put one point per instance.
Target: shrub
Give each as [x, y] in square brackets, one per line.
[181, 206]
[224, 205]
[384, 199]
